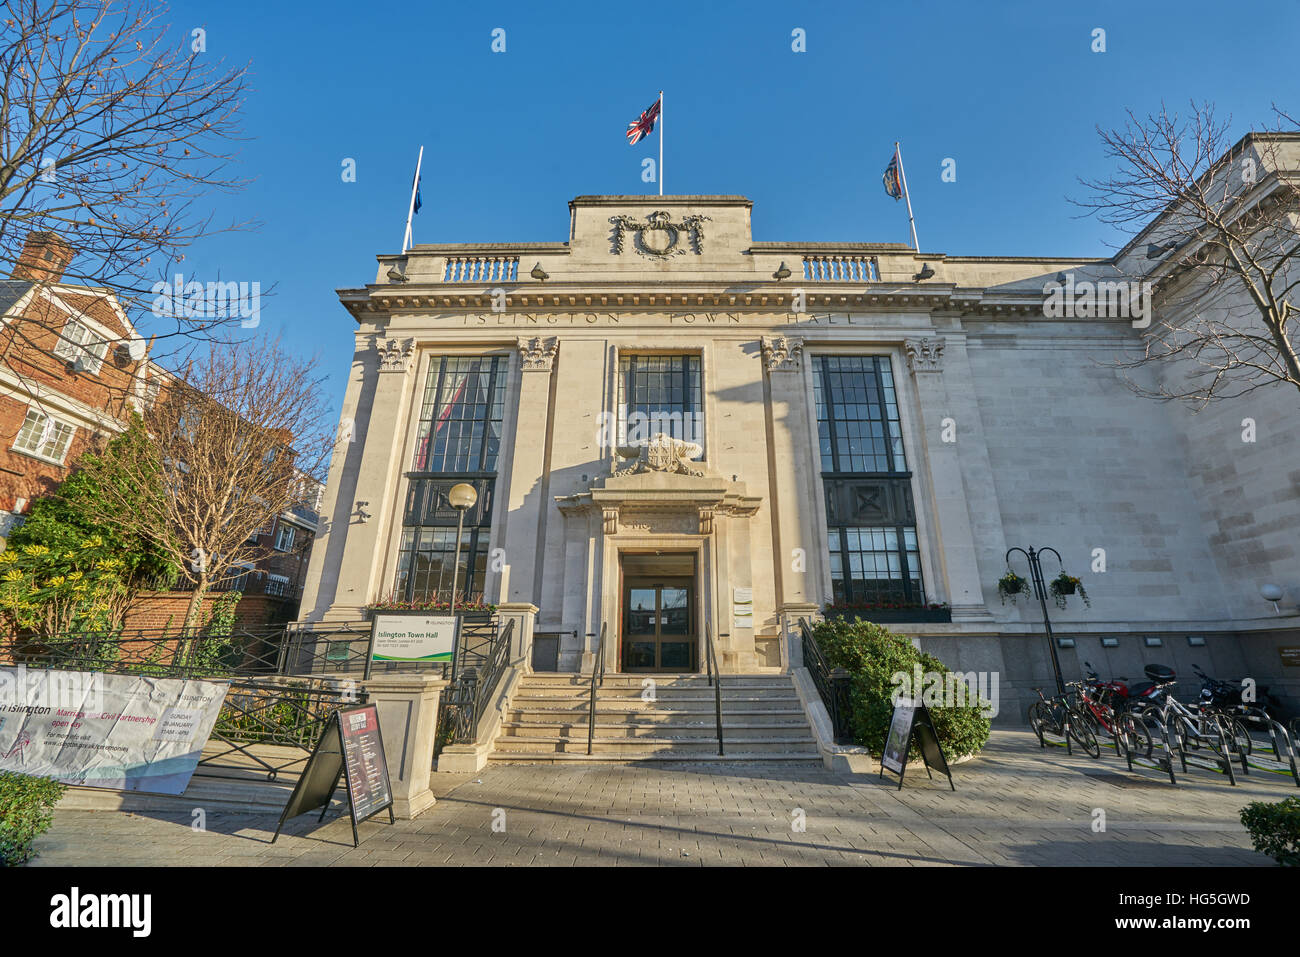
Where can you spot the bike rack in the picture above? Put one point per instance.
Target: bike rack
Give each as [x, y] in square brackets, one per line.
[1283, 743]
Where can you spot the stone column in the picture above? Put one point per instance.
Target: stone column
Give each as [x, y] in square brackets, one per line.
[791, 635]
[793, 470]
[955, 554]
[524, 615]
[375, 506]
[321, 582]
[408, 720]
[526, 491]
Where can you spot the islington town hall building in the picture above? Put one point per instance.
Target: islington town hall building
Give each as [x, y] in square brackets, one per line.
[673, 426]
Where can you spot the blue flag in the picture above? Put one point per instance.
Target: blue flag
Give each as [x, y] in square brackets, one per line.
[893, 182]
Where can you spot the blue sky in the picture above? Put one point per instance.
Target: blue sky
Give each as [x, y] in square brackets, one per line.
[1011, 91]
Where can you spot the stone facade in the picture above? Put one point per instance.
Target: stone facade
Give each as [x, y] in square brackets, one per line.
[1016, 428]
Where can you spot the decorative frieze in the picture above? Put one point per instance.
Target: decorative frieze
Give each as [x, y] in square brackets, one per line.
[924, 354]
[537, 353]
[782, 353]
[396, 355]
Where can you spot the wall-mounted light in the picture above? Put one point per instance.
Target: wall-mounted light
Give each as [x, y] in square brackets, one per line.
[1271, 593]
[925, 273]
[1065, 642]
[1110, 642]
[1196, 641]
[539, 273]
[396, 275]
[781, 272]
[1154, 641]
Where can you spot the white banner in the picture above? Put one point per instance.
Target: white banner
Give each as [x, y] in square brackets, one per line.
[106, 731]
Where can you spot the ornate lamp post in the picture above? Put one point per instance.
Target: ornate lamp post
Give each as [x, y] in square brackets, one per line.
[1040, 590]
[461, 497]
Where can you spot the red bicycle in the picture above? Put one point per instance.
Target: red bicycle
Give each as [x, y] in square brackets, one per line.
[1092, 699]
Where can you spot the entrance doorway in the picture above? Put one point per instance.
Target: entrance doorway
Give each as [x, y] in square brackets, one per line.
[659, 613]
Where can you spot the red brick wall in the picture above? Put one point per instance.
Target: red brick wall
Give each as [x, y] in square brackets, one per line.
[153, 611]
[27, 347]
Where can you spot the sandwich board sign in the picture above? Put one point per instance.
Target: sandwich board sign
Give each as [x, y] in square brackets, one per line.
[352, 748]
[912, 721]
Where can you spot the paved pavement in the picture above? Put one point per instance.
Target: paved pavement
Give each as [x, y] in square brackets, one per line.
[1014, 805]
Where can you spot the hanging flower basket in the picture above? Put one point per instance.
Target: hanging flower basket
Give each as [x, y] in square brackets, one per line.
[1064, 585]
[1011, 586]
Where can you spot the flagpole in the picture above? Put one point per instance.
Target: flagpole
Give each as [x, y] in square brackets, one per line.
[661, 142]
[410, 209]
[902, 175]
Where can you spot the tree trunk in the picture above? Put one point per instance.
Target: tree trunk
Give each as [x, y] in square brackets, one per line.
[194, 612]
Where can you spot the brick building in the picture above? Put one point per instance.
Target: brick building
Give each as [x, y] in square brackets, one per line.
[72, 368]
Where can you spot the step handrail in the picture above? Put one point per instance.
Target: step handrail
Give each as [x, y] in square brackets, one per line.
[597, 675]
[712, 668]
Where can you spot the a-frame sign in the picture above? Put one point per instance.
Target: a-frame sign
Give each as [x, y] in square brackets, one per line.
[352, 748]
[912, 720]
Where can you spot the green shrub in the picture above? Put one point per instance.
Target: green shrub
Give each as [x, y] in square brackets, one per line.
[26, 810]
[1275, 829]
[873, 656]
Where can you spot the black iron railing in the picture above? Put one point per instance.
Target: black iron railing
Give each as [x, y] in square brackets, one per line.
[597, 677]
[715, 679]
[153, 652]
[833, 684]
[465, 700]
[280, 717]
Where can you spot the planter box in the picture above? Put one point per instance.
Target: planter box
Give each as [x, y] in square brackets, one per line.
[463, 615]
[889, 616]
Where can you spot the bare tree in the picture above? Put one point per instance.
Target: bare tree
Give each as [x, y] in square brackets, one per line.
[1221, 244]
[112, 131]
[241, 437]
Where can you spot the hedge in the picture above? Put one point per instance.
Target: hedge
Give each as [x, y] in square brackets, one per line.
[1275, 829]
[26, 810]
[873, 656]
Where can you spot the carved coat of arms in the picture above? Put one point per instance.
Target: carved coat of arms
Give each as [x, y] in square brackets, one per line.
[662, 453]
[659, 237]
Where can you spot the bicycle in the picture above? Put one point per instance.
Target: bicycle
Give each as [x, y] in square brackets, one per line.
[1055, 715]
[1129, 731]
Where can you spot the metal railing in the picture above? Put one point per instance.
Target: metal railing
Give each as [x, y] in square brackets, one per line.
[154, 652]
[464, 702]
[833, 684]
[715, 678]
[280, 712]
[597, 676]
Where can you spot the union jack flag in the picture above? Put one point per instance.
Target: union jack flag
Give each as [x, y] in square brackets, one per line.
[643, 126]
[893, 182]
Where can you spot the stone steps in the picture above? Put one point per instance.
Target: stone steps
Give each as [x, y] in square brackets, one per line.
[731, 731]
[762, 720]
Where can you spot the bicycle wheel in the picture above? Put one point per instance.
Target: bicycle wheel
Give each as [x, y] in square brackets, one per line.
[1136, 735]
[1237, 733]
[1082, 733]
[1038, 719]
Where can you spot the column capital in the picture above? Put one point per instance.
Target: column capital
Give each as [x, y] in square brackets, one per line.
[782, 353]
[537, 353]
[924, 354]
[395, 355]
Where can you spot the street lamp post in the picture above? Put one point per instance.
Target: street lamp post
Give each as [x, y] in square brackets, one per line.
[1040, 590]
[461, 497]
